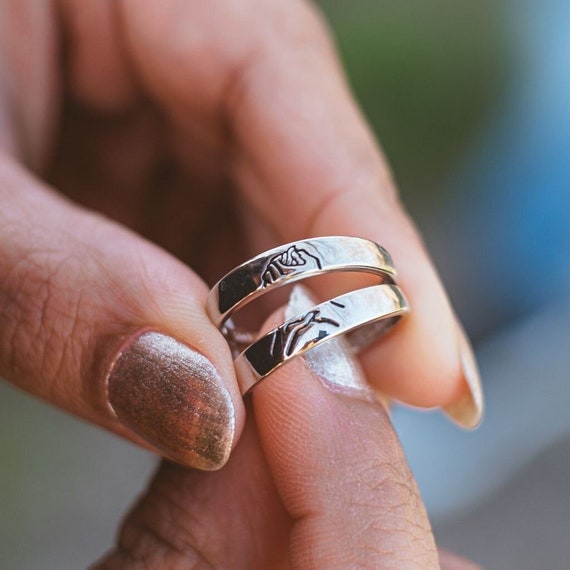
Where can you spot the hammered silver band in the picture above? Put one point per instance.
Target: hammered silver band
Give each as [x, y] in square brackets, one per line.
[378, 306]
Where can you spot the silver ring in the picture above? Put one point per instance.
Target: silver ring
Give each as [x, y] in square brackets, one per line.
[287, 264]
[379, 306]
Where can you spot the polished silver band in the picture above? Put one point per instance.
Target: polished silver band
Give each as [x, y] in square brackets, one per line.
[293, 262]
[361, 315]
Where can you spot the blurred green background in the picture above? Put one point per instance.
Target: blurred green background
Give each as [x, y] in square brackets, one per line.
[427, 74]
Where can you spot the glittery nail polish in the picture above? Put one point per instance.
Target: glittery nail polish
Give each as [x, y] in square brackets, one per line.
[172, 396]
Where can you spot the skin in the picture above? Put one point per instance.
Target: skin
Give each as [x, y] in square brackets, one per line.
[139, 139]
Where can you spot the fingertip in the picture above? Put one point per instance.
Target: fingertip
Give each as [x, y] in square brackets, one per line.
[113, 329]
[411, 366]
[172, 396]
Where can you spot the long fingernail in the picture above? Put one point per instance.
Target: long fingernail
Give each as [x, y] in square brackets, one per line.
[451, 561]
[469, 409]
[173, 397]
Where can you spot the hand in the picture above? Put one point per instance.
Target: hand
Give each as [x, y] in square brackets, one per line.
[142, 138]
[318, 480]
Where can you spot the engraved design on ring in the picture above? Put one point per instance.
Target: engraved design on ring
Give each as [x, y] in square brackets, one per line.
[287, 264]
[378, 306]
[361, 315]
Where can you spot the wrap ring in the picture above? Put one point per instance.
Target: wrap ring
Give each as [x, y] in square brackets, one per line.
[377, 308]
[289, 263]
[362, 315]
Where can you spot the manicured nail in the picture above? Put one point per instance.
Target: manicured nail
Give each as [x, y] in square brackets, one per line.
[451, 561]
[469, 409]
[173, 397]
[332, 361]
[386, 401]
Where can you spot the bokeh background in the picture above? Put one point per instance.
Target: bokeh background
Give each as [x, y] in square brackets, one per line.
[471, 102]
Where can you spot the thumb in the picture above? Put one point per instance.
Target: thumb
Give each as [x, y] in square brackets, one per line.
[98, 321]
[338, 466]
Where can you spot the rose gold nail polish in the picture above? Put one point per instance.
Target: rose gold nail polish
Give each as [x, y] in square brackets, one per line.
[173, 397]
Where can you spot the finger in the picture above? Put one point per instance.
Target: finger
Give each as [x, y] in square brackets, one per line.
[232, 518]
[111, 328]
[340, 471]
[325, 177]
[305, 160]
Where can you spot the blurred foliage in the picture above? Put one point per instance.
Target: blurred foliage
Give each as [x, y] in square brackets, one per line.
[426, 73]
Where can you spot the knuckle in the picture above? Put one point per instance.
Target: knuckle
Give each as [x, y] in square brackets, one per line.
[294, 35]
[40, 315]
[394, 525]
[361, 182]
[386, 483]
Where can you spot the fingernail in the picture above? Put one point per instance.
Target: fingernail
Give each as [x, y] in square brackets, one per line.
[386, 401]
[172, 396]
[332, 361]
[469, 409]
[451, 561]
